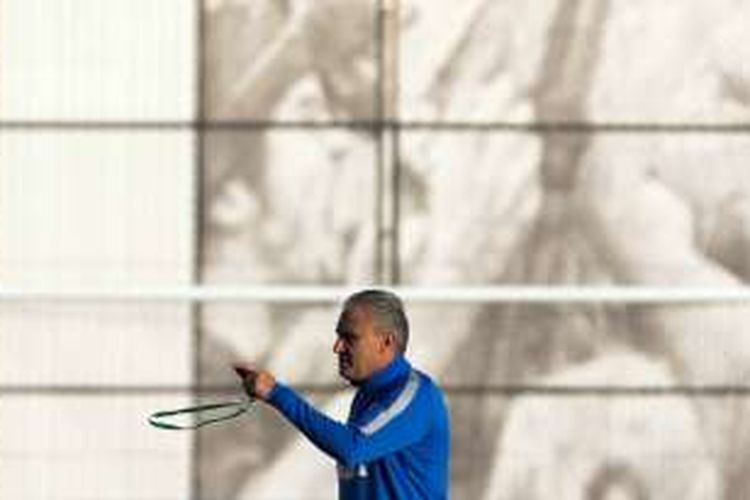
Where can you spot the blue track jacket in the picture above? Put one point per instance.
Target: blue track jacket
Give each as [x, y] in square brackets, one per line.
[396, 443]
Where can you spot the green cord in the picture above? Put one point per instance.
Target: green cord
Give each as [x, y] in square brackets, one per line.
[161, 419]
[231, 409]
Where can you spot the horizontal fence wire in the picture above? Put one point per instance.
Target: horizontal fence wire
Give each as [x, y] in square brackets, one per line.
[507, 390]
[403, 125]
[426, 294]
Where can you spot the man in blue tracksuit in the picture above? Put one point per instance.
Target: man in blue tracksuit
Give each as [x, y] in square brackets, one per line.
[396, 442]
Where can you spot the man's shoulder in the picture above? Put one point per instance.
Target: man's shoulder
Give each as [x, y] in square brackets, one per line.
[425, 378]
[429, 387]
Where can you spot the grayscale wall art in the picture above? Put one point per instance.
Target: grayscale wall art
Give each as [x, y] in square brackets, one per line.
[580, 142]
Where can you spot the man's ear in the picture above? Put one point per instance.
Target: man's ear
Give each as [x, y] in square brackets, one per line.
[388, 340]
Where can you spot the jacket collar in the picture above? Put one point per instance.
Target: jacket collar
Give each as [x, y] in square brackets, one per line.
[398, 367]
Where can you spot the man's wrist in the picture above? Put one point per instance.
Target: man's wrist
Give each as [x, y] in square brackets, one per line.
[273, 391]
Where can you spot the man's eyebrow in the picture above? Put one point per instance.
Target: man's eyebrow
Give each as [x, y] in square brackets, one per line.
[345, 331]
[342, 328]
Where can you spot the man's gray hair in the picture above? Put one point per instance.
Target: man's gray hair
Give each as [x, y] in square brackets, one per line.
[387, 311]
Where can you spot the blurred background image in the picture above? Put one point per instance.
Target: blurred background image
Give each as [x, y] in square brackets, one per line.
[176, 174]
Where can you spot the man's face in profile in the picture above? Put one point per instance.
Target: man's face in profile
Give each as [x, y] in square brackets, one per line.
[360, 349]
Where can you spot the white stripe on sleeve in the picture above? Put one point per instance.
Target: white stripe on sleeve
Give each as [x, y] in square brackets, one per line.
[397, 407]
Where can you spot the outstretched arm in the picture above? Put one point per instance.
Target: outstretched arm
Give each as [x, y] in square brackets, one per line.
[405, 422]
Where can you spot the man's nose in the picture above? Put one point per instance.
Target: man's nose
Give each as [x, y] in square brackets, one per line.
[337, 346]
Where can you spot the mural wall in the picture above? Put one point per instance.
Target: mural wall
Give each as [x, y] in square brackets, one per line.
[580, 142]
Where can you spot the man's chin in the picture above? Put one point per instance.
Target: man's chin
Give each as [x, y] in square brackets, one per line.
[346, 373]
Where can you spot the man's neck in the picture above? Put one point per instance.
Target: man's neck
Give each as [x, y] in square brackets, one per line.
[385, 374]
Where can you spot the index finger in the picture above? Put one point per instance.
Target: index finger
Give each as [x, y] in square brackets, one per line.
[242, 370]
